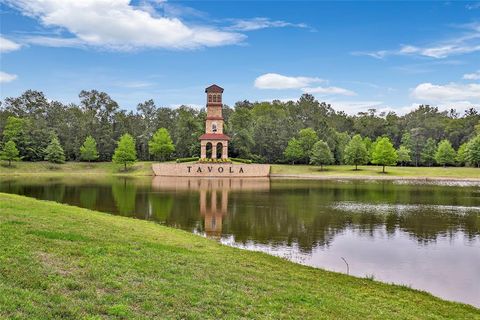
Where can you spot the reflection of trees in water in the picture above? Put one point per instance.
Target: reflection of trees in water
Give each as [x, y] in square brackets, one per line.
[309, 217]
[124, 194]
[160, 206]
[306, 213]
[88, 197]
[185, 213]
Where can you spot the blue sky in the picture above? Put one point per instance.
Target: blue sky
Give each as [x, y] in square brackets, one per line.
[354, 55]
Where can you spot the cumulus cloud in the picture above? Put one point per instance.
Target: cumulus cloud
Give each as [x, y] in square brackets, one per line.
[7, 77]
[8, 45]
[452, 92]
[472, 76]
[329, 91]
[118, 25]
[466, 42]
[261, 23]
[353, 107]
[278, 81]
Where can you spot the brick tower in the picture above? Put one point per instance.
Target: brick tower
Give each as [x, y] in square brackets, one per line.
[213, 143]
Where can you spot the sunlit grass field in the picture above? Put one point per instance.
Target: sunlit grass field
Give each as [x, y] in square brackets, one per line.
[58, 261]
[376, 171]
[143, 168]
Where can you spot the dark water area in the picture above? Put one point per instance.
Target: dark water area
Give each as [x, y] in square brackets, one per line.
[426, 236]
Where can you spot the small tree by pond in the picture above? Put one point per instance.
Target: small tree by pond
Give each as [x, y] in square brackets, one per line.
[125, 152]
[384, 153]
[88, 151]
[54, 151]
[473, 151]
[10, 153]
[321, 154]
[355, 152]
[293, 152]
[445, 153]
[161, 145]
[403, 155]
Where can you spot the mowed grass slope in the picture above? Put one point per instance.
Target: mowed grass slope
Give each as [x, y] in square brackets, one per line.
[144, 168]
[376, 171]
[58, 261]
[141, 168]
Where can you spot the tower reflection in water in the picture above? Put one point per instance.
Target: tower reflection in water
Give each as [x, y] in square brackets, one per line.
[213, 195]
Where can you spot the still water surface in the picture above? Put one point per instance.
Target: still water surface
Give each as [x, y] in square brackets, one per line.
[426, 236]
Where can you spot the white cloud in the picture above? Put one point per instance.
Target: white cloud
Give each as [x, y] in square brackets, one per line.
[7, 77]
[8, 45]
[472, 76]
[467, 42]
[473, 6]
[353, 107]
[329, 91]
[115, 24]
[278, 81]
[452, 92]
[261, 23]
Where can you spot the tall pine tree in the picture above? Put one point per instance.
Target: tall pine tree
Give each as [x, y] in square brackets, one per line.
[88, 151]
[54, 151]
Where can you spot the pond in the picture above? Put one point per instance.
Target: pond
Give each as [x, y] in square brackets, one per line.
[426, 236]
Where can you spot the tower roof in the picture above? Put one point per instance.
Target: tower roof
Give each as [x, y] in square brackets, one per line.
[214, 88]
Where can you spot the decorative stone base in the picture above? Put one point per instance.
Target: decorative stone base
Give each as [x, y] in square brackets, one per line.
[211, 170]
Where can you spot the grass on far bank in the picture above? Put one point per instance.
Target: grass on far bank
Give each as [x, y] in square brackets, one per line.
[376, 171]
[141, 168]
[58, 261]
[144, 168]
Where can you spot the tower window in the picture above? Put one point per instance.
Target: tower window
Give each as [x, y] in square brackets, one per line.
[209, 98]
[214, 127]
[214, 98]
[219, 98]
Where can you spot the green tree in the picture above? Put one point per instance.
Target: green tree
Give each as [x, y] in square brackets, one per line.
[125, 152]
[384, 153]
[473, 151]
[16, 130]
[161, 145]
[403, 155]
[321, 154]
[240, 129]
[445, 153]
[355, 152]
[54, 151]
[462, 152]
[307, 138]
[340, 142]
[294, 151]
[88, 151]
[428, 152]
[10, 152]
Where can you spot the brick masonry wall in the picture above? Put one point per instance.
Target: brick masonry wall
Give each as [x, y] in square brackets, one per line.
[210, 170]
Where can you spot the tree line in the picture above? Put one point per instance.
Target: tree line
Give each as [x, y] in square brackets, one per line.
[299, 131]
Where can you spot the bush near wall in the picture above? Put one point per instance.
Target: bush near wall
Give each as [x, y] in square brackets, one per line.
[180, 160]
[241, 160]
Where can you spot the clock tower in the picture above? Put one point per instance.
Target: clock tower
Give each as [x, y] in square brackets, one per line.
[213, 143]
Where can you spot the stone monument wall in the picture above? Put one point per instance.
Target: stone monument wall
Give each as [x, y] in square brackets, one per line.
[225, 170]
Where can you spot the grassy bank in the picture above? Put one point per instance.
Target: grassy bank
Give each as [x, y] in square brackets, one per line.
[375, 172]
[58, 261]
[143, 168]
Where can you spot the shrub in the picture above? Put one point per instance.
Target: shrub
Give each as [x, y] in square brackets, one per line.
[248, 161]
[180, 160]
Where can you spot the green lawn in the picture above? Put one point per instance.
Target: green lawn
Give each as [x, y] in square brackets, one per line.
[375, 172]
[58, 261]
[143, 168]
